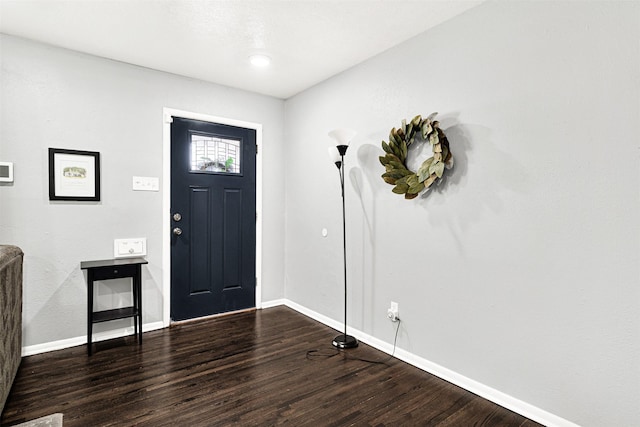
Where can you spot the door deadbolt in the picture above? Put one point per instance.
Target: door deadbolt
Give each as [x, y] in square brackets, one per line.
[177, 231]
[177, 217]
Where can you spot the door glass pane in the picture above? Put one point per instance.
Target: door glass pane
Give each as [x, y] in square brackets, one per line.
[214, 154]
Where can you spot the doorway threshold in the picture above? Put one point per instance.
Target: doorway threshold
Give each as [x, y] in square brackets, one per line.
[213, 316]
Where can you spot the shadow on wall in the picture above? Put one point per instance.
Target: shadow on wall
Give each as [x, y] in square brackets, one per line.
[476, 185]
[62, 315]
[460, 146]
[57, 317]
[482, 178]
[368, 158]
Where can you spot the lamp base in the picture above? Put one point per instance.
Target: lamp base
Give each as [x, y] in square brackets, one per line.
[345, 341]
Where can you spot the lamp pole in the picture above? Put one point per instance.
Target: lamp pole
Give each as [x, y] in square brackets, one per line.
[343, 341]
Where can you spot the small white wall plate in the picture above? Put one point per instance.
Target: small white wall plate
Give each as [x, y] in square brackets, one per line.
[146, 183]
[128, 248]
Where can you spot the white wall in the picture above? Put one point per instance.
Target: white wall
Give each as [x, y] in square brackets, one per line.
[521, 271]
[53, 97]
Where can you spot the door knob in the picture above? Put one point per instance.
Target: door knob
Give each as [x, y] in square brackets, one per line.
[177, 231]
[177, 217]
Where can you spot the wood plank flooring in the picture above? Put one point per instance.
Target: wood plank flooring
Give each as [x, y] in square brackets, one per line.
[248, 369]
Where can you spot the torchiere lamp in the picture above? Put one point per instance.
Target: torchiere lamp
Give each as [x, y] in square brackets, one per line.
[343, 137]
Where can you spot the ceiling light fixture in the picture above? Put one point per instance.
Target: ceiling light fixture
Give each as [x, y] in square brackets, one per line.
[259, 60]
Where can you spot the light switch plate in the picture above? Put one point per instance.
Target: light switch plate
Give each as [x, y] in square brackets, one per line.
[127, 248]
[146, 183]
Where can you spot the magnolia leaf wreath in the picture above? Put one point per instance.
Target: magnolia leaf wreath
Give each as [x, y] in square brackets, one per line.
[397, 173]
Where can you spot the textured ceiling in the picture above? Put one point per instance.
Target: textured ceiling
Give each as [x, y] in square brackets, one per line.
[308, 40]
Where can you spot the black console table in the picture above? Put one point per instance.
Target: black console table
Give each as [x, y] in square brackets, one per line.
[114, 269]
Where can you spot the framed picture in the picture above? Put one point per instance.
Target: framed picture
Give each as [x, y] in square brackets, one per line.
[74, 175]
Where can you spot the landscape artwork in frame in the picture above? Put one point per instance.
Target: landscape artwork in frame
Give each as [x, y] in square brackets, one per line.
[74, 175]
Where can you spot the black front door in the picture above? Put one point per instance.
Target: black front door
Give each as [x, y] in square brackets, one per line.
[213, 218]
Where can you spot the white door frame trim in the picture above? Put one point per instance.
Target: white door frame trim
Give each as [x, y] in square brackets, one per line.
[167, 114]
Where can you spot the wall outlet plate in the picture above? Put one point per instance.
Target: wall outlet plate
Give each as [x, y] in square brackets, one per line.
[128, 248]
[146, 183]
[392, 312]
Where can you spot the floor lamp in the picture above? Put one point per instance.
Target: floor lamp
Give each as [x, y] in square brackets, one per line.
[342, 137]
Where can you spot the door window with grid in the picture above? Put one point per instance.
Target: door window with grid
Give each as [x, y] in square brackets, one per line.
[216, 155]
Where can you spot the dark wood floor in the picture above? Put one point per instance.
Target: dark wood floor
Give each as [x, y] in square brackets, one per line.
[244, 369]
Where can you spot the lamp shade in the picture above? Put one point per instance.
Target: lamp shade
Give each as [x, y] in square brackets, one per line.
[342, 136]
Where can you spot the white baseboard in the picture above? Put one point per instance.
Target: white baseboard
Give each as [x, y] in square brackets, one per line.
[532, 412]
[509, 402]
[99, 336]
[272, 303]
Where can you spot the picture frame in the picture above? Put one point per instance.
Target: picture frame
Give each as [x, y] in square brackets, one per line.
[74, 175]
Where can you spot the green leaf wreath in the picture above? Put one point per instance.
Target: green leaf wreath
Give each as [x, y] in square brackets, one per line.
[397, 173]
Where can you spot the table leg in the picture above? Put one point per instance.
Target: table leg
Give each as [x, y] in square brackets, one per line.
[89, 310]
[134, 289]
[140, 303]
